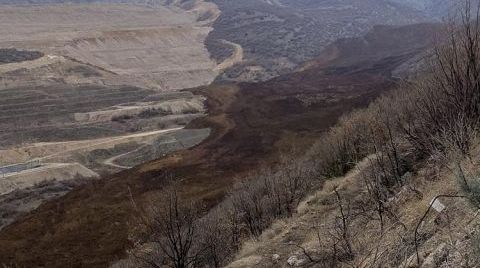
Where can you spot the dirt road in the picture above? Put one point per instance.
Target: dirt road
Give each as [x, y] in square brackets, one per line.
[49, 151]
[236, 57]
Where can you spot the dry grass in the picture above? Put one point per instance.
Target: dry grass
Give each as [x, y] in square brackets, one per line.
[449, 230]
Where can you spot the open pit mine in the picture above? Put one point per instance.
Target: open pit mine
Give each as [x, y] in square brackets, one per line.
[90, 89]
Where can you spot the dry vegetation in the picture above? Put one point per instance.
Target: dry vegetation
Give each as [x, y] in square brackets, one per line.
[427, 127]
[251, 125]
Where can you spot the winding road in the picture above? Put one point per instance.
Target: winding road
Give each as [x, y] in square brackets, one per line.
[111, 161]
[236, 57]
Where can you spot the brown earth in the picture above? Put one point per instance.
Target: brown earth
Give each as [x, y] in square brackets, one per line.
[252, 124]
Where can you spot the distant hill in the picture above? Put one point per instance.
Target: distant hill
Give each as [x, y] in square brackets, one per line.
[434, 8]
[277, 35]
[382, 42]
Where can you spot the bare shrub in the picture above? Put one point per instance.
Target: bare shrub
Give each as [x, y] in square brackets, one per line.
[343, 145]
[220, 236]
[437, 113]
[249, 199]
[214, 240]
[177, 237]
[342, 232]
[443, 105]
[170, 233]
[271, 194]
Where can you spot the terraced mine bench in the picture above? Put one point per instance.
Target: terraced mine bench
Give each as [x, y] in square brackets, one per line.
[19, 167]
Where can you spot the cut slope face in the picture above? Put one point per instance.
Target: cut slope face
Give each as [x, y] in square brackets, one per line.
[160, 47]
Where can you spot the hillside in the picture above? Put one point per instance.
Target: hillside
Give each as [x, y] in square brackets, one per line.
[434, 8]
[394, 184]
[251, 124]
[447, 238]
[110, 108]
[277, 36]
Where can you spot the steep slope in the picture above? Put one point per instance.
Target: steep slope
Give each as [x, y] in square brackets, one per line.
[252, 124]
[276, 36]
[446, 238]
[347, 54]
